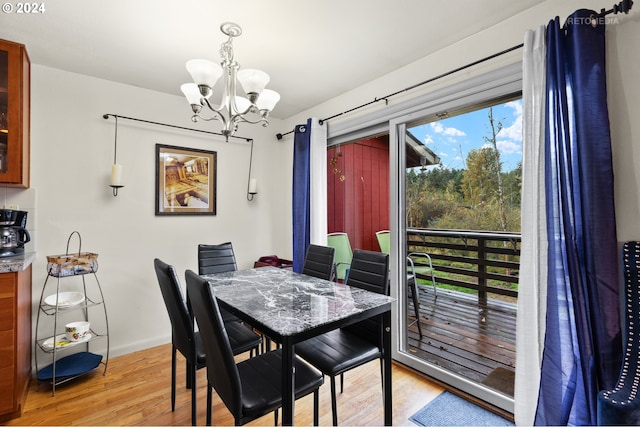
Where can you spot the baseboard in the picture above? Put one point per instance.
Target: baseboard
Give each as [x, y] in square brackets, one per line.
[138, 345]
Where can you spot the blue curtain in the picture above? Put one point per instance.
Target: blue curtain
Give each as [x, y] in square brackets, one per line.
[301, 194]
[582, 349]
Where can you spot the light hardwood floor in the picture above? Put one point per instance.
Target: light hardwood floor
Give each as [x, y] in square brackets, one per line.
[137, 391]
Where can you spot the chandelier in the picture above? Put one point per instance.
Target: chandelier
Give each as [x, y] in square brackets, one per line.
[232, 109]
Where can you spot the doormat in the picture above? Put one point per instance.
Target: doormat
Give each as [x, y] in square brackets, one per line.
[447, 409]
[501, 379]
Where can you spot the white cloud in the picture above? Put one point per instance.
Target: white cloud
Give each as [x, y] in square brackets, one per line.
[438, 128]
[508, 147]
[453, 132]
[517, 107]
[428, 140]
[513, 132]
[443, 154]
[505, 147]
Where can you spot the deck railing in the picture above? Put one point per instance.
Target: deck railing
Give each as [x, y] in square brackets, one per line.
[487, 262]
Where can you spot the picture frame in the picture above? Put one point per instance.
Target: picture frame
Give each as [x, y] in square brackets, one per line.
[185, 181]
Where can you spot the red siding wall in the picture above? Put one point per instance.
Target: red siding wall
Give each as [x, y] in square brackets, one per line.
[359, 205]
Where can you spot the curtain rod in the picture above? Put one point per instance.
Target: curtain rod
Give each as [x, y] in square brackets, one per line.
[624, 6]
[424, 82]
[106, 117]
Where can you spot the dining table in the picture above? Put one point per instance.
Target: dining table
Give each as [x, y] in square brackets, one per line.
[289, 307]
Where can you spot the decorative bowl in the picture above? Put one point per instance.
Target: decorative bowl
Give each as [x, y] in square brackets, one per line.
[64, 299]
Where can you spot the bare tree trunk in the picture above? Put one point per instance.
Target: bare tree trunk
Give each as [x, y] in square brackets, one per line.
[496, 127]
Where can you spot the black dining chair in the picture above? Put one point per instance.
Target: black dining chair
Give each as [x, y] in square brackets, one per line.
[185, 339]
[319, 261]
[221, 258]
[214, 259]
[253, 387]
[341, 350]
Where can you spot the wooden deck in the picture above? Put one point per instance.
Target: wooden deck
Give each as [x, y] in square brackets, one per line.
[476, 341]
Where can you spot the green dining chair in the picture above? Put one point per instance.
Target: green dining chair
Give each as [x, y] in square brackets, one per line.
[343, 255]
[413, 258]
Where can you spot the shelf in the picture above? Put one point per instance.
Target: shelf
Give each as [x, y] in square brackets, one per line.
[51, 343]
[62, 343]
[51, 310]
[70, 366]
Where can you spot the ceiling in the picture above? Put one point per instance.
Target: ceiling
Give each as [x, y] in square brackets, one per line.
[313, 50]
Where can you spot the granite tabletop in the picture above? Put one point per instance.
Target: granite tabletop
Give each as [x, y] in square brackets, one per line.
[289, 302]
[16, 262]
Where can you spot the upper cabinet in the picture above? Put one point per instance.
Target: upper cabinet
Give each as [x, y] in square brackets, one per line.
[15, 81]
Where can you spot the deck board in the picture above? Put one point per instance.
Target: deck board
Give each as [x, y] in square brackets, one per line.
[462, 335]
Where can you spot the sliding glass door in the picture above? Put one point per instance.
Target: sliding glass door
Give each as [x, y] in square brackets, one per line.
[455, 236]
[451, 208]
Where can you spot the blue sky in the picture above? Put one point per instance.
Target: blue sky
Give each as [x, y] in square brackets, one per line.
[453, 138]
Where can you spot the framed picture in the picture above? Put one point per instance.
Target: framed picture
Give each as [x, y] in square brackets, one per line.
[185, 181]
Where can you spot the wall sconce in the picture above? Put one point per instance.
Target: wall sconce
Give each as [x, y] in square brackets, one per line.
[116, 169]
[252, 183]
[253, 189]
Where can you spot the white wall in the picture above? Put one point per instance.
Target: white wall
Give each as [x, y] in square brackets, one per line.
[623, 96]
[72, 151]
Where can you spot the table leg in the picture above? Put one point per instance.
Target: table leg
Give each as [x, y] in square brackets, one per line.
[386, 378]
[288, 381]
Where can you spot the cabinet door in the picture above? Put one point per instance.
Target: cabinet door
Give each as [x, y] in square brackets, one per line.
[15, 340]
[7, 342]
[15, 73]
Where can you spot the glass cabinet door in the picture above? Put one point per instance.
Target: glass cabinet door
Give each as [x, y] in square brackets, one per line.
[4, 124]
[14, 114]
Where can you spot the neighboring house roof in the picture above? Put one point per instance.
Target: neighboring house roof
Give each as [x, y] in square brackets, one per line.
[419, 154]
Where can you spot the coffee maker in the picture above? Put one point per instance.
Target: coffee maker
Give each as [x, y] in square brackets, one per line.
[13, 232]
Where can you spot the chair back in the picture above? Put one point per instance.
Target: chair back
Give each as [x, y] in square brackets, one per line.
[183, 335]
[216, 258]
[319, 261]
[384, 241]
[222, 372]
[370, 271]
[343, 254]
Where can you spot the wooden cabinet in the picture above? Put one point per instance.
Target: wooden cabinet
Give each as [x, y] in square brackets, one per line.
[15, 341]
[15, 105]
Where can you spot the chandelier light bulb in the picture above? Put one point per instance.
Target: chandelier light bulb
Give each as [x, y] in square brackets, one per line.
[253, 81]
[203, 72]
[242, 104]
[267, 100]
[192, 93]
